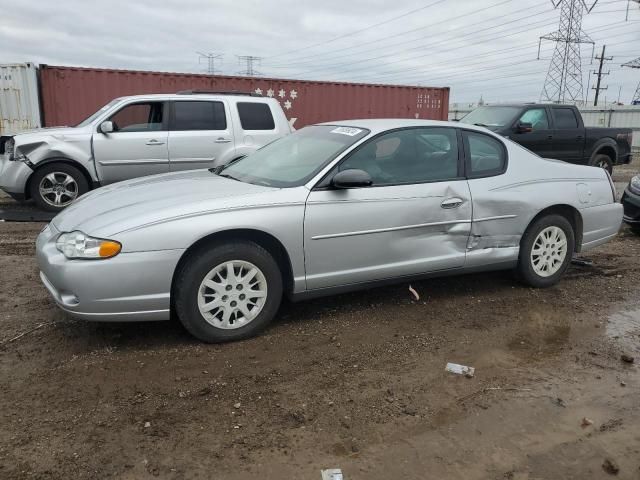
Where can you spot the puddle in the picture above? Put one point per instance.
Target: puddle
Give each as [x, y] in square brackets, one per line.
[541, 332]
[624, 327]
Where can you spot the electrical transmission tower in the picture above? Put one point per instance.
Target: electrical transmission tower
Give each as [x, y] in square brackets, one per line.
[564, 78]
[634, 64]
[249, 61]
[211, 61]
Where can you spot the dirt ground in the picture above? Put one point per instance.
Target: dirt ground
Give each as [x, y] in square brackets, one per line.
[355, 382]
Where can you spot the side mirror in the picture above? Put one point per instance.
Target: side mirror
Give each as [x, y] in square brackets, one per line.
[106, 127]
[524, 128]
[351, 178]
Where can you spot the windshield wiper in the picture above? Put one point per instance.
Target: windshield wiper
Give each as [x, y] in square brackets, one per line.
[226, 175]
[481, 124]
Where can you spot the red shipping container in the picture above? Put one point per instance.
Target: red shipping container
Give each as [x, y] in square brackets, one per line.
[70, 94]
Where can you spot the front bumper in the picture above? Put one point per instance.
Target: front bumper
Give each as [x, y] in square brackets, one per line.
[132, 286]
[13, 177]
[631, 204]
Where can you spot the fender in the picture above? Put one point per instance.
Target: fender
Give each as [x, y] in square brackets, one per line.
[608, 144]
[92, 183]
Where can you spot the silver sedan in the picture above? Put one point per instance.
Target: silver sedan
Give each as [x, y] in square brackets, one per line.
[331, 208]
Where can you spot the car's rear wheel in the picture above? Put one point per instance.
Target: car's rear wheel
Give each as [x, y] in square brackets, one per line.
[54, 186]
[602, 161]
[545, 251]
[228, 291]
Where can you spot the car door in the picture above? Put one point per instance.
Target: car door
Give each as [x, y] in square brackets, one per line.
[568, 135]
[540, 139]
[414, 218]
[137, 146]
[199, 134]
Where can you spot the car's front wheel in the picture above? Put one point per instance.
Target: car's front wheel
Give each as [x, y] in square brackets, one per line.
[545, 251]
[228, 291]
[54, 186]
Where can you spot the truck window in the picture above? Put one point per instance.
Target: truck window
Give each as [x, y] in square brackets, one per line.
[255, 116]
[138, 117]
[537, 117]
[565, 118]
[198, 116]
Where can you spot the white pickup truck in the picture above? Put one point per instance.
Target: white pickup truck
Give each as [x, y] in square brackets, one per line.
[137, 136]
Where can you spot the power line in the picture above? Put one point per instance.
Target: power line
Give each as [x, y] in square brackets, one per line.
[350, 34]
[309, 58]
[425, 69]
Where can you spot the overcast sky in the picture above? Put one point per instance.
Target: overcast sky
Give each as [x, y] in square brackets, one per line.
[477, 47]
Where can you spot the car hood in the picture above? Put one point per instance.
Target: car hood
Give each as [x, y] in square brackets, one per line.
[147, 200]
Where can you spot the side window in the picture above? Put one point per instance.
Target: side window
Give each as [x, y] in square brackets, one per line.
[138, 117]
[537, 117]
[565, 118]
[189, 115]
[487, 155]
[415, 155]
[255, 116]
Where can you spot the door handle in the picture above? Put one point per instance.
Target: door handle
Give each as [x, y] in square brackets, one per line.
[155, 142]
[453, 202]
[549, 137]
[222, 140]
[579, 137]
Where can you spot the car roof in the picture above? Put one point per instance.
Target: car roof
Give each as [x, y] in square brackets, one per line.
[197, 96]
[377, 125]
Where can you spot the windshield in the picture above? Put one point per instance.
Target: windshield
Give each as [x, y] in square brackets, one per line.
[95, 115]
[293, 160]
[492, 116]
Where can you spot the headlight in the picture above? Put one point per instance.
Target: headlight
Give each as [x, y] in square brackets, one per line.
[78, 245]
[9, 147]
[634, 184]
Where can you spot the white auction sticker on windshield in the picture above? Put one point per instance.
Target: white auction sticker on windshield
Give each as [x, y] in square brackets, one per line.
[352, 132]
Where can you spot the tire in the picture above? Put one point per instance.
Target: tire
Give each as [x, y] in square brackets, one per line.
[191, 293]
[530, 265]
[602, 161]
[51, 178]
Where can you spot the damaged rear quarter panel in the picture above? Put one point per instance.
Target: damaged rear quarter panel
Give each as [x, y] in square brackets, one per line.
[505, 205]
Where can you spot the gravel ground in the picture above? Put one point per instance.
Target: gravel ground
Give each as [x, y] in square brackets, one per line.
[355, 382]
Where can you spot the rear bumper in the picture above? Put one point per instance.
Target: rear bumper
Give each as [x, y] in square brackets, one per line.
[600, 224]
[631, 204]
[129, 287]
[626, 159]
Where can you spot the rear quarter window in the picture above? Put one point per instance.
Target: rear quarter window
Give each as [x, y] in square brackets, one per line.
[255, 116]
[486, 156]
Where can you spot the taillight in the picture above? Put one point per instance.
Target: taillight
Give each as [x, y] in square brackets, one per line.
[613, 186]
[625, 137]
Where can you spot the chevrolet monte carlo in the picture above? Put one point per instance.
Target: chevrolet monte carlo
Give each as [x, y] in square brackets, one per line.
[330, 208]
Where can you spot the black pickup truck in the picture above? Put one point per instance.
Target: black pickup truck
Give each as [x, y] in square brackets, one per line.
[556, 131]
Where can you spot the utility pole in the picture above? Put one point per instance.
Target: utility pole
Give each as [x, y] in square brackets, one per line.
[211, 61]
[249, 60]
[598, 88]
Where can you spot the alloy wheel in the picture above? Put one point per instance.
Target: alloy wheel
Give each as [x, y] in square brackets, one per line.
[58, 189]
